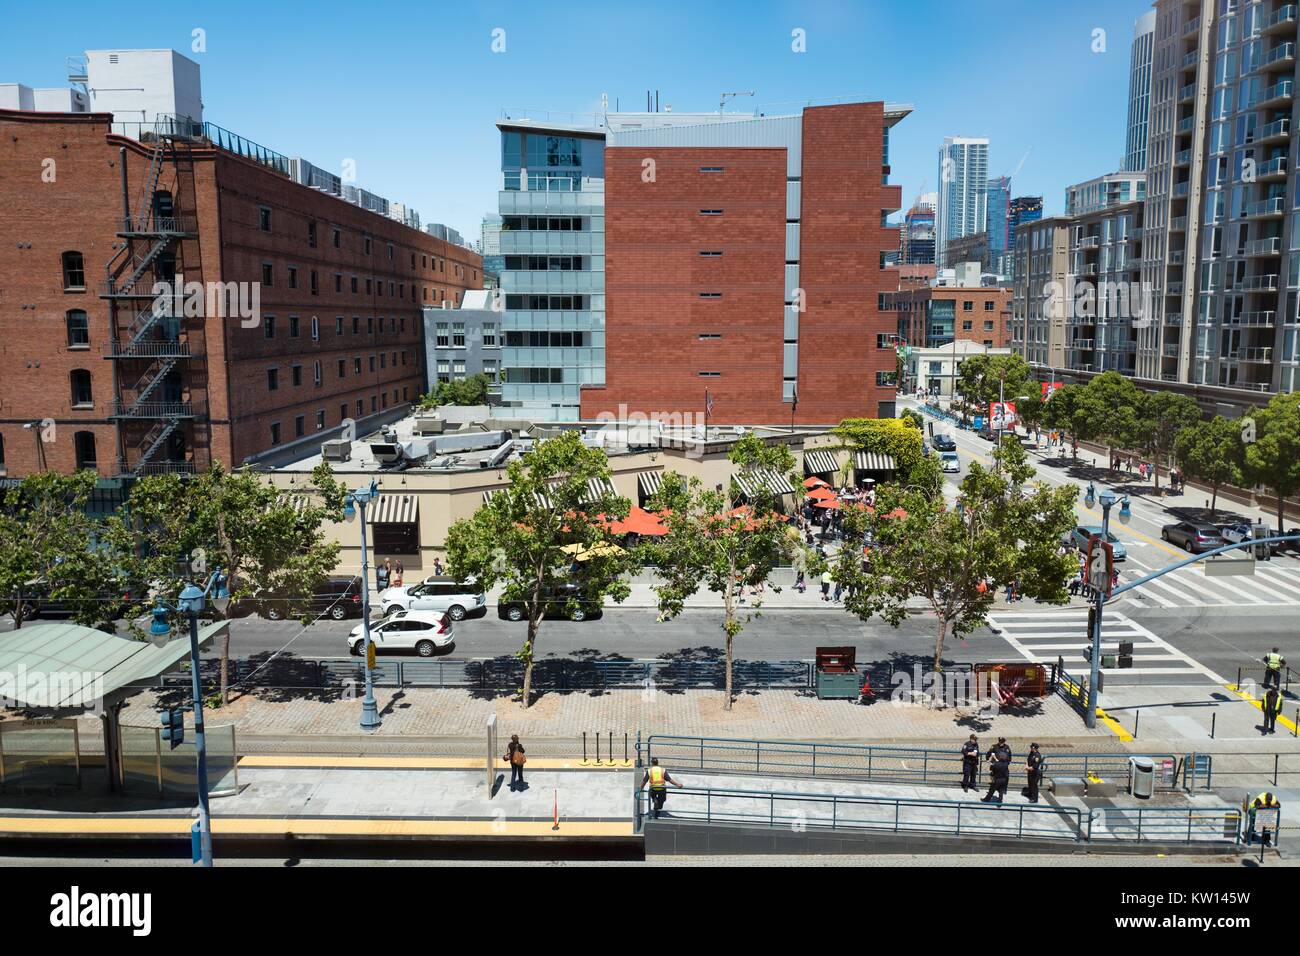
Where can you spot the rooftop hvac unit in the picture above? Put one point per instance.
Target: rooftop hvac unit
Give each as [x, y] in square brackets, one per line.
[429, 425]
[498, 456]
[338, 449]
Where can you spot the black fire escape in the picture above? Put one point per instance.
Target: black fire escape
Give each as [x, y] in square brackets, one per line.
[157, 345]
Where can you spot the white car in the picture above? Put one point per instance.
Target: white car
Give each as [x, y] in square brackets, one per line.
[951, 463]
[435, 594]
[419, 631]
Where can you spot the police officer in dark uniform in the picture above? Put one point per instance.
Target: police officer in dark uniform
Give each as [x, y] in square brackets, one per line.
[999, 777]
[970, 763]
[1034, 769]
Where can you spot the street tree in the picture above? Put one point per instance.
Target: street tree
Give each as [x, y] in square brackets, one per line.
[1113, 405]
[548, 529]
[265, 540]
[1161, 417]
[1030, 410]
[45, 536]
[465, 391]
[983, 378]
[1273, 458]
[716, 543]
[1004, 530]
[1211, 450]
[1072, 412]
[898, 438]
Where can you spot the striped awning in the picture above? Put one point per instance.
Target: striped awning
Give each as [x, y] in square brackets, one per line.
[874, 461]
[395, 509]
[299, 503]
[650, 482]
[596, 488]
[820, 462]
[751, 482]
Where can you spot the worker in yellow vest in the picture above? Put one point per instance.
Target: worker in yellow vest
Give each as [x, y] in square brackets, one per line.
[1272, 706]
[1273, 664]
[1265, 801]
[658, 778]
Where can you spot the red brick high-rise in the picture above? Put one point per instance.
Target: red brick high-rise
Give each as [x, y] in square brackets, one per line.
[125, 392]
[745, 257]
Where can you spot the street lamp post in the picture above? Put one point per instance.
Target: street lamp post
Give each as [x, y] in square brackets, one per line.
[357, 501]
[190, 603]
[1107, 500]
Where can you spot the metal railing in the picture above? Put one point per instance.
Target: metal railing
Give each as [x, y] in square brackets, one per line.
[1164, 825]
[848, 812]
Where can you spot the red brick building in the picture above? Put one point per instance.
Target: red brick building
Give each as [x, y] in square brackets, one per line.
[750, 264]
[926, 315]
[93, 220]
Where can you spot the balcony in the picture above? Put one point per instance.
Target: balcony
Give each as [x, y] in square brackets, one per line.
[1180, 190]
[1260, 283]
[146, 350]
[152, 410]
[1255, 320]
[1187, 92]
[1279, 129]
[556, 243]
[1253, 355]
[1170, 350]
[1081, 345]
[1173, 318]
[1174, 288]
[1281, 54]
[1274, 168]
[1265, 208]
[1176, 257]
[535, 202]
[1186, 123]
[1191, 26]
[1089, 269]
[1178, 224]
[1277, 94]
[1189, 60]
[1183, 158]
[1282, 20]
[1090, 242]
[1270, 246]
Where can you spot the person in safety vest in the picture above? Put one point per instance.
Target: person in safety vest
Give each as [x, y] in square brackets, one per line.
[1265, 801]
[658, 778]
[1273, 664]
[1272, 705]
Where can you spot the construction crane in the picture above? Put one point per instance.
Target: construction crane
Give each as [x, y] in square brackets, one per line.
[726, 96]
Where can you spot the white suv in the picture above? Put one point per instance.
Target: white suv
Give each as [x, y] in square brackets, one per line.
[435, 594]
[419, 631]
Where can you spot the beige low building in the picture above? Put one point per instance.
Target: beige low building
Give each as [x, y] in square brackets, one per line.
[434, 473]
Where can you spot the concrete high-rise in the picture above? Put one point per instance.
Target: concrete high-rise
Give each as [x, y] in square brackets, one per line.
[963, 191]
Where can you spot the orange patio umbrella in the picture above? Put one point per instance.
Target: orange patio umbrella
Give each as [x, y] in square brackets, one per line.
[822, 494]
[640, 521]
[829, 503]
[815, 482]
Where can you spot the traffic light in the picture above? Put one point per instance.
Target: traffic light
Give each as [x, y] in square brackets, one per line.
[173, 726]
[1087, 653]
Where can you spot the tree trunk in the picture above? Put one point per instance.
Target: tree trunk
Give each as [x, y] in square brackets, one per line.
[225, 669]
[533, 620]
[1280, 514]
[938, 644]
[1214, 498]
[726, 626]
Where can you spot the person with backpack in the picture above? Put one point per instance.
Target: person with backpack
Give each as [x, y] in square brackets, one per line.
[516, 758]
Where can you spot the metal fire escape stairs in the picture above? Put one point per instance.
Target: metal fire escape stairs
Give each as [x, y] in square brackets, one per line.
[152, 342]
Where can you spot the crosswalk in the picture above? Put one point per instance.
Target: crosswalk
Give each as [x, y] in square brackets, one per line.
[1274, 584]
[1043, 636]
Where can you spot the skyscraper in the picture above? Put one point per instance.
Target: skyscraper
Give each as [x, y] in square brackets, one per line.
[963, 198]
[1139, 92]
[998, 198]
[918, 235]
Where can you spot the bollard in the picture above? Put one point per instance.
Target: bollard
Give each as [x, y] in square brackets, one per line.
[1237, 685]
[584, 748]
[1213, 717]
[1295, 726]
[1137, 715]
[611, 748]
[556, 824]
[625, 760]
[597, 748]
[1275, 757]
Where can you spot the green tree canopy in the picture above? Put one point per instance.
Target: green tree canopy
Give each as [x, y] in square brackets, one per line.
[1211, 451]
[1273, 457]
[1161, 417]
[895, 437]
[465, 391]
[1003, 530]
[712, 544]
[518, 539]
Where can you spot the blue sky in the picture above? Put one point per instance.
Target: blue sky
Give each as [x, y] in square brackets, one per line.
[411, 91]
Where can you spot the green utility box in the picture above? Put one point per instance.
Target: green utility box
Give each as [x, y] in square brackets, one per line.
[837, 674]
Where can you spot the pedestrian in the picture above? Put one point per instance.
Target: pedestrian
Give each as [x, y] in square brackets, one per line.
[382, 574]
[970, 764]
[1265, 801]
[437, 567]
[516, 758]
[999, 778]
[801, 581]
[1034, 771]
[397, 574]
[1272, 705]
[1273, 663]
[658, 778]
[839, 591]
[826, 585]
[1011, 591]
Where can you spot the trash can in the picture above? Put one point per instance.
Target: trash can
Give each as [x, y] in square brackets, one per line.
[1141, 777]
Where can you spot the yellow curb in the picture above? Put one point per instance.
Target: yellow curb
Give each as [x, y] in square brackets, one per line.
[1259, 706]
[1115, 726]
[272, 826]
[417, 763]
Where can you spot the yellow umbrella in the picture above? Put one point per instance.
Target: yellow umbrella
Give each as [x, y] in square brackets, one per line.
[582, 553]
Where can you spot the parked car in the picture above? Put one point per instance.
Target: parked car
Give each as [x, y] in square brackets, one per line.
[117, 602]
[435, 594]
[1292, 545]
[1078, 539]
[1193, 536]
[945, 443]
[419, 631]
[987, 433]
[555, 603]
[1244, 531]
[950, 462]
[337, 597]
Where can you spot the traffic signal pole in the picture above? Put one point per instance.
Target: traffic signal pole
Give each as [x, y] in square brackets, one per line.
[200, 745]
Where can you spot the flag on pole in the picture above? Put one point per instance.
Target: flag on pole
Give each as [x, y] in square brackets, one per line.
[708, 403]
